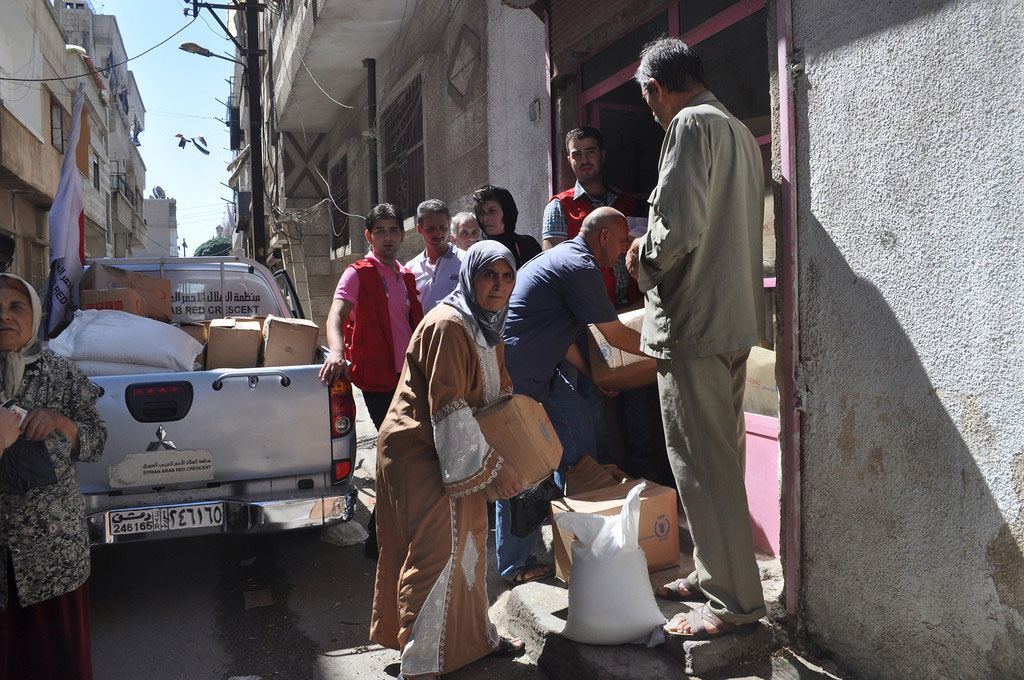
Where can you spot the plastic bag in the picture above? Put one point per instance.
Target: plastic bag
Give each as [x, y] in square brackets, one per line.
[120, 337]
[610, 596]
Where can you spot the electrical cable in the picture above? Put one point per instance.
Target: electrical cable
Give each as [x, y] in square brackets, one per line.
[100, 70]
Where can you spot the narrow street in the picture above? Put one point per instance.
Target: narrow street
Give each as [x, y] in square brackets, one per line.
[281, 606]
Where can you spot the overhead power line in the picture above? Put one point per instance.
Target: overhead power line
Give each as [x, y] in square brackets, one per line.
[104, 69]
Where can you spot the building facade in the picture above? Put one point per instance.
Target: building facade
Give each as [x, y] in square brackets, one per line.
[460, 92]
[161, 236]
[126, 116]
[35, 121]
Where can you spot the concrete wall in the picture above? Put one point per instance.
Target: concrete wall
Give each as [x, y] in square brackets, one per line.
[517, 77]
[480, 65]
[911, 183]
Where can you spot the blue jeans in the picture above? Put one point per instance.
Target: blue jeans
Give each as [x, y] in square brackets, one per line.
[571, 419]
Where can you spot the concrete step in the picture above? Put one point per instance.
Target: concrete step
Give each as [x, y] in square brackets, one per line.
[537, 612]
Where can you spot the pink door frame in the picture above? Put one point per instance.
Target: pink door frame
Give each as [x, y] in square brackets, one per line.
[791, 420]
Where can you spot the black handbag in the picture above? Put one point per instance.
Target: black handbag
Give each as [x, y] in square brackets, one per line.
[25, 465]
[530, 508]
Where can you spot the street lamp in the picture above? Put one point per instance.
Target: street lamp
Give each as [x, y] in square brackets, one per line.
[252, 54]
[193, 48]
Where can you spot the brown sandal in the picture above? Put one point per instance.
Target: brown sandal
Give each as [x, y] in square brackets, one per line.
[672, 591]
[539, 571]
[702, 620]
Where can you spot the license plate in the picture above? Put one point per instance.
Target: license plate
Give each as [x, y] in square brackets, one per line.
[146, 520]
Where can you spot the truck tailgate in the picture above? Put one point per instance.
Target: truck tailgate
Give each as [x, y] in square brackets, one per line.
[236, 421]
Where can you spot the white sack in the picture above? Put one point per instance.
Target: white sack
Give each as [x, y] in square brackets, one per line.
[610, 596]
[120, 337]
[99, 368]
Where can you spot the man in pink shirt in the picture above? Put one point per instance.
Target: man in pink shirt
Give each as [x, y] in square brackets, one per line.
[374, 311]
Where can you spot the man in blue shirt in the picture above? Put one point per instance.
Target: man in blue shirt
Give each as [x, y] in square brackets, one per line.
[557, 293]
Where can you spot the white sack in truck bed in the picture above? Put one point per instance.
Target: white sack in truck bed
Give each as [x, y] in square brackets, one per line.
[123, 338]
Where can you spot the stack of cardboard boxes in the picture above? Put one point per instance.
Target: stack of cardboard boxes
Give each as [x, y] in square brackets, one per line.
[601, 490]
[232, 342]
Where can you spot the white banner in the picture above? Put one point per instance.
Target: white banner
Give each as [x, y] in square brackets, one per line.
[67, 229]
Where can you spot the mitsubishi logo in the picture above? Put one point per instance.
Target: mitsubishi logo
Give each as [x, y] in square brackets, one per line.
[161, 442]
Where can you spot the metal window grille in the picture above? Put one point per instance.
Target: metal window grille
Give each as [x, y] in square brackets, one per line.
[402, 125]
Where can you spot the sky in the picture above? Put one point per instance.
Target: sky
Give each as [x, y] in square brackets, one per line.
[180, 93]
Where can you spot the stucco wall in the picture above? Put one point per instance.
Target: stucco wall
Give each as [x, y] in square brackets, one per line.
[518, 156]
[911, 284]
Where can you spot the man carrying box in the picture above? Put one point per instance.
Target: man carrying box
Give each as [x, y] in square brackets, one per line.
[557, 293]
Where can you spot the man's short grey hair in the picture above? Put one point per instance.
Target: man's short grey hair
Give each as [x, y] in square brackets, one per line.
[459, 219]
[672, 63]
[432, 206]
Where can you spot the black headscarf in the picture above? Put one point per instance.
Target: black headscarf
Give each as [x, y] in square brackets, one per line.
[479, 257]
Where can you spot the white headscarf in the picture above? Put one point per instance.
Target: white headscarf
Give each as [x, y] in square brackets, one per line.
[12, 363]
[479, 257]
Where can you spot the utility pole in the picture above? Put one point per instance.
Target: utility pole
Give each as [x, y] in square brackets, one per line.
[252, 70]
[252, 53]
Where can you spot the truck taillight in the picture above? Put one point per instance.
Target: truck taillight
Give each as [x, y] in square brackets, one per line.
[342, 468]
[343, 409]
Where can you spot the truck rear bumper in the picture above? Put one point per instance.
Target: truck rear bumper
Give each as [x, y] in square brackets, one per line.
[219, 516]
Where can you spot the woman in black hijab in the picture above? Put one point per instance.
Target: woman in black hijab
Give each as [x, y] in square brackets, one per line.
[496, 211]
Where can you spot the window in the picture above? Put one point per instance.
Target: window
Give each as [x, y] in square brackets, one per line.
[57, 127]
[96, 172]
[338, 175]
[39, 265]
[402, 125]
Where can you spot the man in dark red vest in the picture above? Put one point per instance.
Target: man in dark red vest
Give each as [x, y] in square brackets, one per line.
[564, 214]
[375, 309]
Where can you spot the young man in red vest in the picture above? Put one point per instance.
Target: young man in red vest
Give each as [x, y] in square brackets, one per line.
[566, 211]
[375, 310]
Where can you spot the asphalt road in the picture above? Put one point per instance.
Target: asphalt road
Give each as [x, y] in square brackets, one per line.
[279, 606]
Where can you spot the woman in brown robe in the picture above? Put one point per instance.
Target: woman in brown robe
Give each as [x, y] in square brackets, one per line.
[430, 599]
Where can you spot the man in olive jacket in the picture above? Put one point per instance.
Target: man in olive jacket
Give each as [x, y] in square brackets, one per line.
[699, 265]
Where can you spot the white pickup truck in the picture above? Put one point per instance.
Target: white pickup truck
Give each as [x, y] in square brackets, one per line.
[230, 450]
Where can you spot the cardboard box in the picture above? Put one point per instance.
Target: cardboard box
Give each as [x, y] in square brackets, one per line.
[519, 430]
[119, 299]
[154, 290]
[761, 395]
[234, 343]
[199, 330]
[659, 523]
[289, 342]
[588, 475]
[614, 369]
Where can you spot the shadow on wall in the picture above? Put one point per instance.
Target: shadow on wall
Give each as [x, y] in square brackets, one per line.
[845, 23]
[910, 570]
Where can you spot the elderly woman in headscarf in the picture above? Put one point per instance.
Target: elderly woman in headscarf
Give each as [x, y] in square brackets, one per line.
[496, 211]
[430, 600]
[44, 542]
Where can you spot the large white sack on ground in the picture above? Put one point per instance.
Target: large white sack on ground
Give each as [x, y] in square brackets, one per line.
[95, 369]
[120, 337]
[610, 596]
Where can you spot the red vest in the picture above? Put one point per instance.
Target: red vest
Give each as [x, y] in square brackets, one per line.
[368, 342]
[575, 209]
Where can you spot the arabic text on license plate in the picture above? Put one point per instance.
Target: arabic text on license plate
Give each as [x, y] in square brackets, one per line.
[146, 520]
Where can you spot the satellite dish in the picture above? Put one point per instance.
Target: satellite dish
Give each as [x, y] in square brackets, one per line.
[159, 192]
